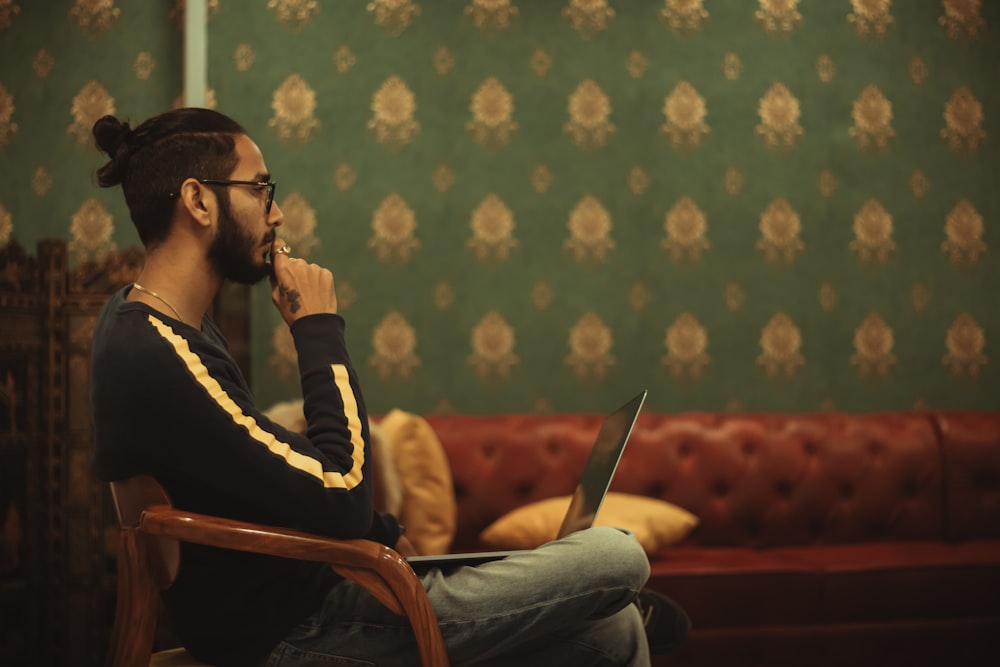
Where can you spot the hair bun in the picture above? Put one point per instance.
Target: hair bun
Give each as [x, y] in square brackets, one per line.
[111, 134]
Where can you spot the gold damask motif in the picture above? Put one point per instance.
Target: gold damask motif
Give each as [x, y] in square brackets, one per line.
[393, 16]
[683, 17]
[345, 176]
[686, 225]
[871, 18]
[444, 295]
[492, 230]
[92, 102]
[43, 63]
[734, 296]
[919, 184]
[393, 106]
[826, 182]
[873, 343]
[920, 297]
[394, 342]
[686, 341]
[780, 228]
[244, 57]
[965, 341]
[294, 105]
[492, 107]
[778, 18]
[685, 112]
[492, 347]
[779, 118]
[443, 61]
[963, 117]
[732, 66]
[346, 293]
[443, 178]
[589, 109]
[541, 62]
[94, 17]
[293, 14]
[8, 10]
[8, 127]
[41, 181]
[733, 181]
[144, 65]
[590, 343]
[827, 297]
[541, 179]
[344, 59]
[590, 231]
[284, 359]
[638, 180]
[299, 227]
[91, 228]
[872, 114]
[638, 296]
[394, 224]
[918, 70]
[637, 65]
[964, 231]
[961, 20]
[491, 16]
[6, 225]
[781, 342]
[873, 233]
[825, 68]
[542, 295]
[588, 17]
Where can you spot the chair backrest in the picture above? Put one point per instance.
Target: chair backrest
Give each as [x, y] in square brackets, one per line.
[147, 564]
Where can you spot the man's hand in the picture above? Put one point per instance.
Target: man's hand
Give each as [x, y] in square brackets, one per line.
[299, 288]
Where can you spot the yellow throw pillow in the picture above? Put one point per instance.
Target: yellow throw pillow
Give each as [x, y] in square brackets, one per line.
[428, 498]
[654, 522]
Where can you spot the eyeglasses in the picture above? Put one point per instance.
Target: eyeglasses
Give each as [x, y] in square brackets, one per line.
[269, 185]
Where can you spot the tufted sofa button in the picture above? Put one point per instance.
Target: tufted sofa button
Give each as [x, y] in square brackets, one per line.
[720, 488]
[783, 489]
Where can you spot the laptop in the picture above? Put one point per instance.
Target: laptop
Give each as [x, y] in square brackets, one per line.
[590, 490]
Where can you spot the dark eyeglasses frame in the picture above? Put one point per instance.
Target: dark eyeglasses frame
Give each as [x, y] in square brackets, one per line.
[269, 185]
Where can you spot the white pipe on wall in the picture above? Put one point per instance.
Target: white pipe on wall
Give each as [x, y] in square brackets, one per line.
[195, 53]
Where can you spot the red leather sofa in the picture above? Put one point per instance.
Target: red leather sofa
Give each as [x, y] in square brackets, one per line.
[823, 539]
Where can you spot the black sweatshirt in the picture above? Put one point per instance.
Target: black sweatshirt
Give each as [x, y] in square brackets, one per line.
[169, 401]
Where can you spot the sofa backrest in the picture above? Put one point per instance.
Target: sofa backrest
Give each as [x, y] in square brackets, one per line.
[752, 480]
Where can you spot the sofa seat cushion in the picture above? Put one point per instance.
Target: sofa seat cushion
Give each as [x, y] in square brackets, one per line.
[845, 583]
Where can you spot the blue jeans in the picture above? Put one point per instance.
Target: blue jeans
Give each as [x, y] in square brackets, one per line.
[565, 603]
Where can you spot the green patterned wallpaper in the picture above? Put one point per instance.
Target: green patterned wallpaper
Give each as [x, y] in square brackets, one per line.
[546, 205]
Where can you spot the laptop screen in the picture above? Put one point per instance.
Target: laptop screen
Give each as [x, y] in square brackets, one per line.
[601, 466]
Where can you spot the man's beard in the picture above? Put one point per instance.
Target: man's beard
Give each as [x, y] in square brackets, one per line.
[234, 253]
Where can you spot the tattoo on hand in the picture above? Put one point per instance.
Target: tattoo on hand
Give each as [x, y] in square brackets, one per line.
[293, 298]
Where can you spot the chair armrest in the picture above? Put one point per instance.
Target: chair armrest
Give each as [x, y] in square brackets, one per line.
[354, 559]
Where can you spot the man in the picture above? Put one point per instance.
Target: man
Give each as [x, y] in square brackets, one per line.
[170, 402]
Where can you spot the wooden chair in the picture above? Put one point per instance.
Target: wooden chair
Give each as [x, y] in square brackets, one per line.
[149, 557]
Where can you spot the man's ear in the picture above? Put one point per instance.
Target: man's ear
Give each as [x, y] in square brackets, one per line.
[199, 201]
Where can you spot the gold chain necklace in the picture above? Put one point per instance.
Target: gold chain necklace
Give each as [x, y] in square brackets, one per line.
[157, 296]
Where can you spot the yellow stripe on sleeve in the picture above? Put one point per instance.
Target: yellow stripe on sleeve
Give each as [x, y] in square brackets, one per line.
[297, 460]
